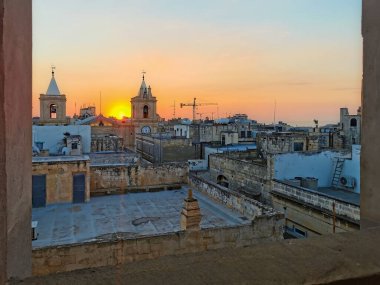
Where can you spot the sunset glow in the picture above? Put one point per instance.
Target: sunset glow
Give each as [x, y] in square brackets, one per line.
[119, 111]
[242, 54]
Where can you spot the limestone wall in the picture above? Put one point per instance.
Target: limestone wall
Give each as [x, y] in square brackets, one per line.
[59, 178]
[321, 201]
[247, 175]
[111, 178]
[246, 206]
[118, 250]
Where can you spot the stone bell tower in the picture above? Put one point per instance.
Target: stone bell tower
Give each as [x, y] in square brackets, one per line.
[144, 110]
[53, 105]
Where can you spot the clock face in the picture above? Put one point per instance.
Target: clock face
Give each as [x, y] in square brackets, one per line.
[145, 130]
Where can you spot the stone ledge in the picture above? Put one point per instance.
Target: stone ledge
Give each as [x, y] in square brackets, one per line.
[322, 260]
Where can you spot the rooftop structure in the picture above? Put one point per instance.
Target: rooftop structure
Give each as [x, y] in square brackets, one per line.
[134, 215]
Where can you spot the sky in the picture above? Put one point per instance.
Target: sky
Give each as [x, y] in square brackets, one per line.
[301, 58]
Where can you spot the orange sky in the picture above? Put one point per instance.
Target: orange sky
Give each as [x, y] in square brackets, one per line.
[244, 55]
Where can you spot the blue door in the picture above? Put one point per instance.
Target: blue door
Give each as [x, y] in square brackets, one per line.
[79, 182]
[38, 191]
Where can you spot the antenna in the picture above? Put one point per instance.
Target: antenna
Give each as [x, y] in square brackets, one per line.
[100, 99]
[173, 110]
[274, 112]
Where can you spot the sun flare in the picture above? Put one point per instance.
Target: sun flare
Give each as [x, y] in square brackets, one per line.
[120, 111]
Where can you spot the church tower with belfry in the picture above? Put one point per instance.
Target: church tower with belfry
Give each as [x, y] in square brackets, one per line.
[144, 110]
[53, 105]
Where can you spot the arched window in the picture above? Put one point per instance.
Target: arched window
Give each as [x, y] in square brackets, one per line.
[145, 111]
[353, 122]
[53, 111]
[222, 181]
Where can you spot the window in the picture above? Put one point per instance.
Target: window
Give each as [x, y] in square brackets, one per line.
[298, 146]
[353, 122]
[53, 111]
[242, 134]
[222, 181]
[74, 145]
[145, 112]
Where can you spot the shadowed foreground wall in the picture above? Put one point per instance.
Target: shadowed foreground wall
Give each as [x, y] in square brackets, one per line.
[116, 249]
[15, 137]
[370, 185]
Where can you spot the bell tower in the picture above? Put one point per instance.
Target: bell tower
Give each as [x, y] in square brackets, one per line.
[53, 104]
[144, 104]
[144, 110]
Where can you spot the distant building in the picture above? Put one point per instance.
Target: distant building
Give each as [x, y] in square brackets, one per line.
[110, 134]
[61, 140]
[144, 110]
[158, 148]
[351, 126]
[296, 183]
[53, 105]
[60, 179]
[86, 112]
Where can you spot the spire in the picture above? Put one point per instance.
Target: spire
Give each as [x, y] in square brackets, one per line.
[53, 87]
[143, 89]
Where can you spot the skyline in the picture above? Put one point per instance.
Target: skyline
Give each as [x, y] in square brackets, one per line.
[245, 55]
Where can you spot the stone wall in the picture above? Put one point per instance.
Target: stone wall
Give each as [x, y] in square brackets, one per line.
[244, 172]
[233, 200]
[319, 200]
[106, 143]
[59, 173]
[166, 149]
[118, 250]
[288, 142]
[115, 177]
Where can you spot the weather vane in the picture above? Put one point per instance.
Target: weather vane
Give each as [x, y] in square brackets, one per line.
[52, 69]
[143, 73]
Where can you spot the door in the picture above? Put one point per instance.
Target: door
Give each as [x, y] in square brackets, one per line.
[79, 182]
[38, 191]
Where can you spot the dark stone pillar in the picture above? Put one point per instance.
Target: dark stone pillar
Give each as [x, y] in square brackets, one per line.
[15, 138]
[370, 155]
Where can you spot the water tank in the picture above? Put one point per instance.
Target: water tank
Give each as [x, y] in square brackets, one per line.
[293, 182]
[310, 183]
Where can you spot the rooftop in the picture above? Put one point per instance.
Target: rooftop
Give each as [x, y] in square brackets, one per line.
[113, 158]
[235, 147]
[334, 193]
[133, 214]
[60, 158]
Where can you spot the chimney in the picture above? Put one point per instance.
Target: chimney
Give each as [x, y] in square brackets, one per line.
[191, 214]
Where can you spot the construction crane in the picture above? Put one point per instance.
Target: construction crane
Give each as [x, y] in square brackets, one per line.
[195, 105]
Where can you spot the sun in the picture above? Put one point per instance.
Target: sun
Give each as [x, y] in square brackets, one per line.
[120, 111]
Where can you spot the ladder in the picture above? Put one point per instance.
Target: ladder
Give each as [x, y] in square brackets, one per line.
[337, 172]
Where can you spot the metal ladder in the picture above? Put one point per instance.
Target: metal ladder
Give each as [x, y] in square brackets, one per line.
[337, 172]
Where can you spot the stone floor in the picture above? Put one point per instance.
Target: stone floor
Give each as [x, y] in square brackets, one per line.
[136, 214]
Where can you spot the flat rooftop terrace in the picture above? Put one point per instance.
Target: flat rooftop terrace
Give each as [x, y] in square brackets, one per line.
[331, 192]
[133, 214]
[344, 195]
